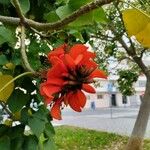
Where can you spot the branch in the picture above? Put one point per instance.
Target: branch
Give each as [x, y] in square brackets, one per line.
[19, 11]
[23, 37]
[104, 37]
[59, 24]
[23, 51]
[142, 52]
[6, 109]
[131, 50]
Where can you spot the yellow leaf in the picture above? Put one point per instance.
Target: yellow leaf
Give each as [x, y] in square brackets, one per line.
[9, 66]
[4, 94]
[137, 23]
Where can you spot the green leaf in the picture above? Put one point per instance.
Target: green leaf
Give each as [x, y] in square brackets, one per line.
[3, 60]
[5, 2]
[6, 35]
[51, 16]
[99, 15]
[37, 125]
[30, 143]
[3, 129]
[16, 131]
[16, 144]
[4, 143]
[49, 129]
[77, 34]
[25, 5]
[64, 11]
[85, 19]
[38, 120]
[75, 4]
[17, 100]
[49, 144]
[24, 115]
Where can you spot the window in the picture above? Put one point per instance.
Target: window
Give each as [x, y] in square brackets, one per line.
[99, 96]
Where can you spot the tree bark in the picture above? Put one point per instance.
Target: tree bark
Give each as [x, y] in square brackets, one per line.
[136, 140]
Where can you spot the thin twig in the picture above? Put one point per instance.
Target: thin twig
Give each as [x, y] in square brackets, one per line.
[19, 11]
[131, 50]
[23, 37]
[59, 24]
[23, 52]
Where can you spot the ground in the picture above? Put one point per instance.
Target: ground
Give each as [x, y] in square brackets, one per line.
[115, 120]
[75, 138]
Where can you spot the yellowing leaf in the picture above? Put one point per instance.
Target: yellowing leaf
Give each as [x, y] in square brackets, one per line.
[9, 66]
[4, 94]
[137, 23]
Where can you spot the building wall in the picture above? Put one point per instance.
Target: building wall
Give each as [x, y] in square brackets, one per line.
[100, 102]
[103, 97]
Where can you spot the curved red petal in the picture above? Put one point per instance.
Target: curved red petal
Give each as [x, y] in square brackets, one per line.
[55, 81]
[98, 74]
[82, 98]
[54, 60]
[55, 111]
[78, 59]
[90, 54]
[58, 51]
[88, 88]
[69, 61]
[57, 71]
[77, 49]
[72, 99]
[91, 64]
[49, 89]
[76, 100]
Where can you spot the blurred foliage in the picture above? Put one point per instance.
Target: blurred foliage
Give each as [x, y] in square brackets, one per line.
[126, 80]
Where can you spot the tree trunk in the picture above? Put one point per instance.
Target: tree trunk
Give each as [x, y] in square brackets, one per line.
[136, 140]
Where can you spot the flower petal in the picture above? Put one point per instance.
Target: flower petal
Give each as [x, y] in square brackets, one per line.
[47, 99]
[88, 88]
[55, 111]
[57, 71]
[98, 74]
[91, 64]
[73, 102]
[54, 60]
[76, 100]
[78, 59]
[81, 98]
[77, 49]
[58, 51]
[55, 81]
[49, 89]
[69, 61]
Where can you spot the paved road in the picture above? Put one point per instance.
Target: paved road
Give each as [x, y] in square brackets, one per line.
[116, 120]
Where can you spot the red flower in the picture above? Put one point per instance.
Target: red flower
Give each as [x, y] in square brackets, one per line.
[72, 71]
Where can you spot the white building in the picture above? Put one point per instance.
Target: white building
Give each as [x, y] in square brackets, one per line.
[107, 95]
